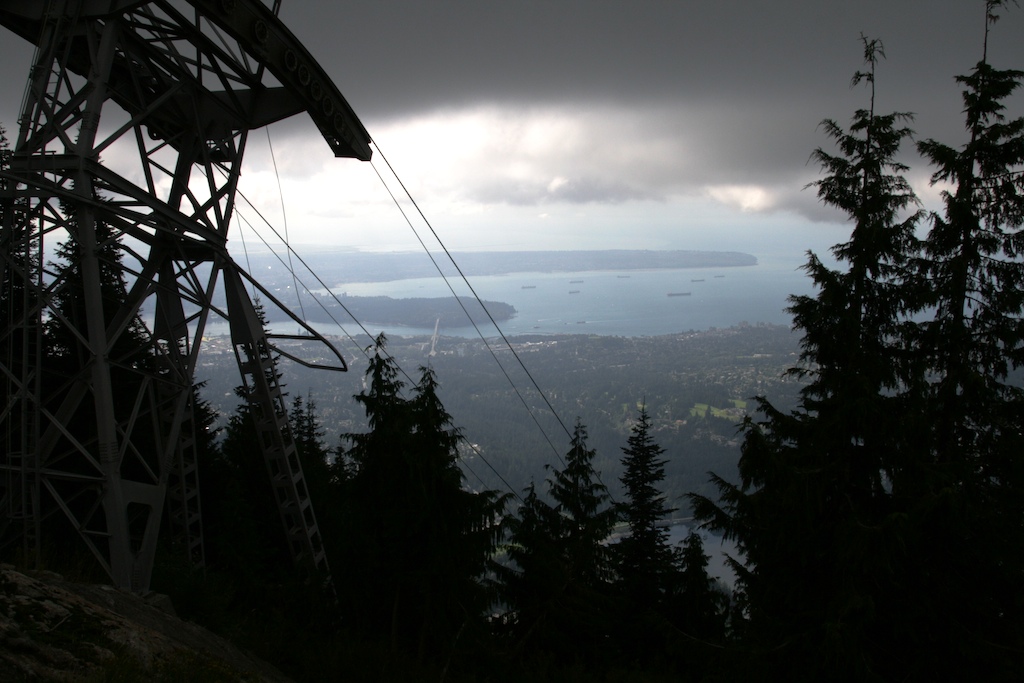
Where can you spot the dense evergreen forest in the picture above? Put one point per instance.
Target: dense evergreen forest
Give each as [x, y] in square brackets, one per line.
[874, 492]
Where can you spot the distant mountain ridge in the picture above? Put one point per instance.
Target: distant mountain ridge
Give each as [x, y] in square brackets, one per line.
[377, 267]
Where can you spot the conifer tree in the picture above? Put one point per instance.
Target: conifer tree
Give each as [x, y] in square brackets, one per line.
[855, 329]
[246, 523]
[811, 512]
[458, 528]
[240, 513]
[969, 487]
[306, 430]
[973, 268]
[68, 361]
[5, 151]
[558, 590]
[67, 327]
[586, 517]
[700, 604]
[643, 557]
[972, 262]
[312, 451]
[532, 585]
[666, 590]
[374, 485]
[418, 543]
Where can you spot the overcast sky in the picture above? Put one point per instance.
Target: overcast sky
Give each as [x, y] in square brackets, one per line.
[555, 124]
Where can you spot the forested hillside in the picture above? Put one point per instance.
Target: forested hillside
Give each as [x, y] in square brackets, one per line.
[697, 387]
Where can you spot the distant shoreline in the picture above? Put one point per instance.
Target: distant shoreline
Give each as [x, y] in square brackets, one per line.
[380, 267]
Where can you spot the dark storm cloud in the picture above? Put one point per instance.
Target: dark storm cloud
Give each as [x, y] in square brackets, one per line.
[677, 97]
[394, 57]
[734, 90]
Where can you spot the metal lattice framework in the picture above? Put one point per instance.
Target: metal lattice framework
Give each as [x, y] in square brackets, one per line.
[97, 427]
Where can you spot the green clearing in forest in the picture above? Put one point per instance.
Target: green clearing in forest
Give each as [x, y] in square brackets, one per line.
[701, 409]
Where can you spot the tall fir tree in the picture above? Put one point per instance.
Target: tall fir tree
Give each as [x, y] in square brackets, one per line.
[239, 509]
[643, 557]
[20, 334]
[972, 258]
[558, 589]
[855, 330]
[460, 529]
[586, 515]
[670, 607]
[700, 604]
[307, 432]
[811, 513]
[968, 518]
[532, 585]
[417, 543]
[66, 327]
[314, 455]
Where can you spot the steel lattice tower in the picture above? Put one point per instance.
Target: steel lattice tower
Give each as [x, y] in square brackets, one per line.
[170, 89]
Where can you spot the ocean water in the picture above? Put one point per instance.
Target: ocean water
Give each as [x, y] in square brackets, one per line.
[633, 303]
[627, 303]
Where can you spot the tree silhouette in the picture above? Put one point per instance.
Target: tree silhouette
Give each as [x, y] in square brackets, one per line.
[700, 604]
[880, 523]
[416, 543]
[531, 587]
[643, 557]
[811, 513]
[586, 518]
[558, 591]
[971, 484]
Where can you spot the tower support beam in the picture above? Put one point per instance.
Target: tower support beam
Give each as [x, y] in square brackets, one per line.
[97, 431]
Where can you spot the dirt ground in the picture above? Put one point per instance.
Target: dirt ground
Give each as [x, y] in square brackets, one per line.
[56, 630]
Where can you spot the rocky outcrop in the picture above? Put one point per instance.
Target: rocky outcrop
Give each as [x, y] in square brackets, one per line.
[52, 629]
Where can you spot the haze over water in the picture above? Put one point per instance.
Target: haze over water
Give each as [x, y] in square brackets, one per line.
[624, 303]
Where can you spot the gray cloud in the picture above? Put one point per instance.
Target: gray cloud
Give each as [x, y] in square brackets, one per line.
[695, 94]
[393, 57]
[570, 191]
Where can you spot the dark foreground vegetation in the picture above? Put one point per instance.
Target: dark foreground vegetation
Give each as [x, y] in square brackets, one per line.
[433, 581]
[880, 521]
